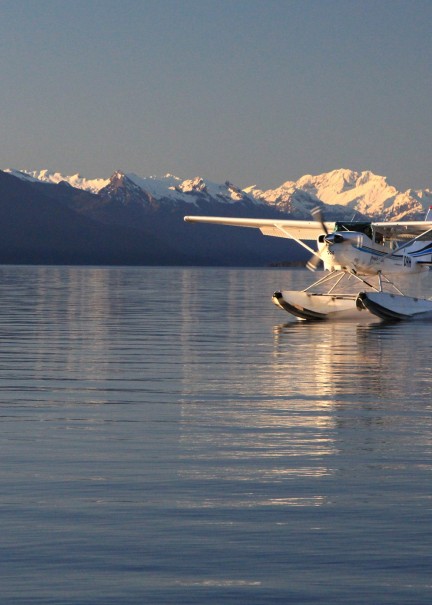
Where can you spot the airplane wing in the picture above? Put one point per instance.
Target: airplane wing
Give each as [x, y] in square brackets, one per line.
[403, 229]
[291, 229]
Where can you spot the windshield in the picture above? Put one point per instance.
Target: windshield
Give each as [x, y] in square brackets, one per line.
[360, 227]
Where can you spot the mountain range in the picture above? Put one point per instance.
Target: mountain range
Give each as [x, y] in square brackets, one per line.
[47, 217]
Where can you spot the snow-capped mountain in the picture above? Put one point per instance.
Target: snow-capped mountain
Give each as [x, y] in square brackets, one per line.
[168, 187]
[361, 193]
[173, 188]
[44, 176]
[343, 193]
[128, 219]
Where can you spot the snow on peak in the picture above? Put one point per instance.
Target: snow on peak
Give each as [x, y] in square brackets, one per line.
[193, 185]
[21, 174]
[175, 188]
[347, 190]
[76, 180]
[157, 187]
[168, 187]
[364, 192]
[343, 192]
[337, 180]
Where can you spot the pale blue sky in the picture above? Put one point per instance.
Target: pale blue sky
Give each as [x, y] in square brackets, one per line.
[254, 91]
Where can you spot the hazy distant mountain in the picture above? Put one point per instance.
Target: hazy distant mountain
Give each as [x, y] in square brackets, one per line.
[50, 217]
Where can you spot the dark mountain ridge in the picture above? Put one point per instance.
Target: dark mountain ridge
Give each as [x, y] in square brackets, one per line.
[53, 224]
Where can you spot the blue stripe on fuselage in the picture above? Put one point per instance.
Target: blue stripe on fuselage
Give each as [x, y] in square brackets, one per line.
[377, 252]
[426, 251]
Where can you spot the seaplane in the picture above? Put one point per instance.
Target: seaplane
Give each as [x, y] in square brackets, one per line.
[362, 259]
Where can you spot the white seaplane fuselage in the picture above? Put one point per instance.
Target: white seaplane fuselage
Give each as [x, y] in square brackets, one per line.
[359, 254]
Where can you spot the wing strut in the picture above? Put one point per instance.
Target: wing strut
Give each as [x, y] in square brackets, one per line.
[299, 241]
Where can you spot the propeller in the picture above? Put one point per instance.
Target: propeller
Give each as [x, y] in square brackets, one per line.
[317, 214]
[315, 260]
[330, 239]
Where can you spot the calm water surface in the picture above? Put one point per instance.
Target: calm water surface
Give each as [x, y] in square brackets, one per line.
[171, 437]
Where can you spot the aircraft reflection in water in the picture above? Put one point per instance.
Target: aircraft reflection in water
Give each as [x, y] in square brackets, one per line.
[268, 421]
[238, 423]
[342, 360]
[375, 381]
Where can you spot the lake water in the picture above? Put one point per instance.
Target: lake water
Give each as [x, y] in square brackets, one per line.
[170, 437]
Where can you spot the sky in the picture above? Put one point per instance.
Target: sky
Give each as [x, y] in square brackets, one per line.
[257, 92]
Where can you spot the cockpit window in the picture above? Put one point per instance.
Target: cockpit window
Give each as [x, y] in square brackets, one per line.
[361, 227]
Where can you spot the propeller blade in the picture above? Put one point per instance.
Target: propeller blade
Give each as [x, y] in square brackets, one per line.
[319, 217]
[313, 262]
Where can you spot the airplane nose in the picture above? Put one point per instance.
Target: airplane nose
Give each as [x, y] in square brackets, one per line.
[334, 238]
